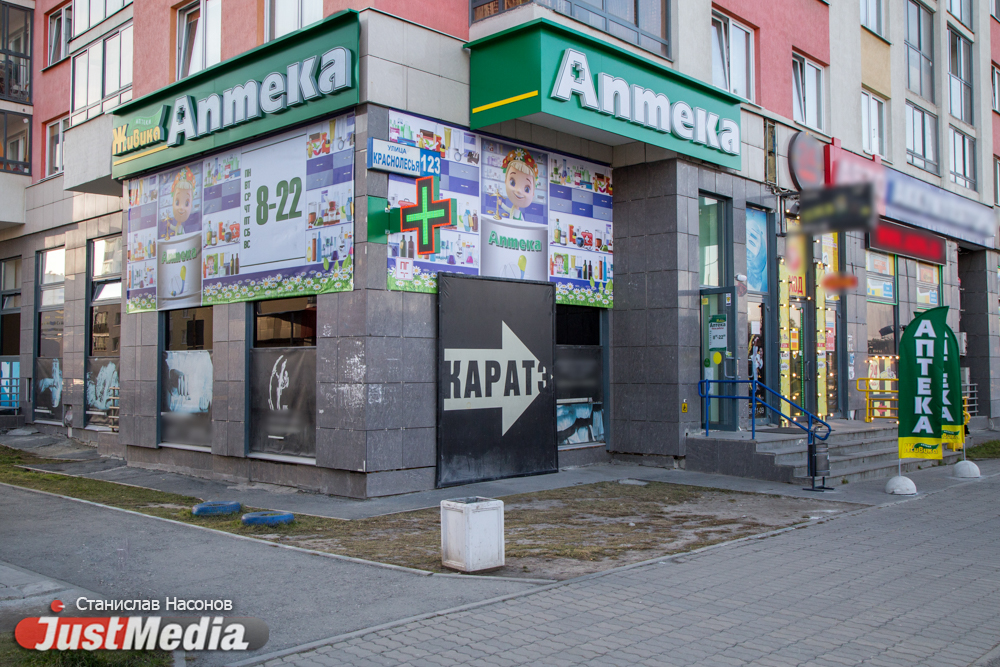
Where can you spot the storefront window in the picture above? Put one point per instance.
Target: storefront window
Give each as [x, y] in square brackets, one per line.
[711, 251]
[48, 362]
[831, 263]
[928, 286]
[10, 333]
[283, 378]
[187, 375]
[579, 373]
[101, 390]
[882, 316]
[881, 276]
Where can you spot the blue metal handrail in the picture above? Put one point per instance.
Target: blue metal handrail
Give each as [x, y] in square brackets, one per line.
[704, 391]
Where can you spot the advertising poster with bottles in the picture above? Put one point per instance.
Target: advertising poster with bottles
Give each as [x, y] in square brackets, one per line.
[267, 220]
[523, 213]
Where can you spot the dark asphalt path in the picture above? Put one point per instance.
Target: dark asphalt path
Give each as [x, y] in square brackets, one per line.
[302, 597]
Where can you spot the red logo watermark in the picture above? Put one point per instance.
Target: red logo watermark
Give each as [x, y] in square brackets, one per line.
[140, 633]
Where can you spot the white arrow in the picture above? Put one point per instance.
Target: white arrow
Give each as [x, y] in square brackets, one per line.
[511, 349]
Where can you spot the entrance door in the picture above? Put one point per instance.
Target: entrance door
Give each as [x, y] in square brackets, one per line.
[802, 358]
[718, 354]
[758, 353]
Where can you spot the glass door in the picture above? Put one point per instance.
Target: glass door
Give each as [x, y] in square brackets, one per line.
[757, 354]
[802, 360]
[718, 354]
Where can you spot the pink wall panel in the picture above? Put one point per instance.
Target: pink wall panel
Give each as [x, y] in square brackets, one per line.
[782, 27]
[51, 88]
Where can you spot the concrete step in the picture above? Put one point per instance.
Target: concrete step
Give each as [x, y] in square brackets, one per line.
[884, 470]
[871, 459]
[789, 455]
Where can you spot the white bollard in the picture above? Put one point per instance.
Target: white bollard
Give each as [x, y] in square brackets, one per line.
[966, 470]
[472, 534]
[900, 486]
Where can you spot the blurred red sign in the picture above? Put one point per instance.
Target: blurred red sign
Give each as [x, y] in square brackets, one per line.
[899, 240]
[839, 282]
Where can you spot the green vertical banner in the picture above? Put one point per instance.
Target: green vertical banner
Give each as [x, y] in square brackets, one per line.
[953, 428]
[922, 389]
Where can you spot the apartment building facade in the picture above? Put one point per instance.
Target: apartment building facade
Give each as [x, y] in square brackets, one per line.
[245, 226]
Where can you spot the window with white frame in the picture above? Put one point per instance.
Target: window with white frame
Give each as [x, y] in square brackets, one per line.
[102, 76]
[996, 88]
[732, 56]
[285, 16]
[60, 31]
[871, 15]
[996, 180]
[921, 138]
[807, 100]
[88, 13]
[199, 36]
[963, 159]
[54, 143]
[960, 77]
[995, 9]
[962, 10]
[15, 151]
[872, 124]
[919, 50]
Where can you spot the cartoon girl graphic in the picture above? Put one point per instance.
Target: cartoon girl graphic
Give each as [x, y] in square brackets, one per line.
[519, 174]
[182, 199]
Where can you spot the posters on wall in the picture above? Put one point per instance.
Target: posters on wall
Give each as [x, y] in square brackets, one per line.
[271, 219]
[523, 213]
[756, 246]
[186, 400]
[283, 401]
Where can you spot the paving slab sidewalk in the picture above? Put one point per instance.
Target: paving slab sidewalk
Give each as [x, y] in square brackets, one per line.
[25, 593]
[267, 496]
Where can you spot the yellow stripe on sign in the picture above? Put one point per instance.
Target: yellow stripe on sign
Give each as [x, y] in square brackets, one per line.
[139, 155]
[509, 100]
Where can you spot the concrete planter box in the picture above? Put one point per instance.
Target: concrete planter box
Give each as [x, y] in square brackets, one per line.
[472, 534]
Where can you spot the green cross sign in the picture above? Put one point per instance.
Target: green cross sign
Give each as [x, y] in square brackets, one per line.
[425, 216]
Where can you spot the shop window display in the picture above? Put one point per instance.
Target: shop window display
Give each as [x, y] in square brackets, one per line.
[10, 333]
[711, 251]
[48, 379]
[928, 286]
[186, 378]
[102, 382]
[579, 376]
[283, 378]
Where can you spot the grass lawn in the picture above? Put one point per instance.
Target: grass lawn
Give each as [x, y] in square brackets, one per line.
[987, 450]
[12, 655]
[552, 534]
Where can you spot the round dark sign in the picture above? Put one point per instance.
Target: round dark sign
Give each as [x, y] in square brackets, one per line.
[806, 161]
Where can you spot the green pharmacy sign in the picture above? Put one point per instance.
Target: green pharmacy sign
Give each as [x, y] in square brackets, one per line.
[302, 76]
[562, 79]
[931, 413]
[426, 217]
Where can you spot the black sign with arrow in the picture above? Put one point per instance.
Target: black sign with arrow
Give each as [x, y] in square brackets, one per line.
[496, 399]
